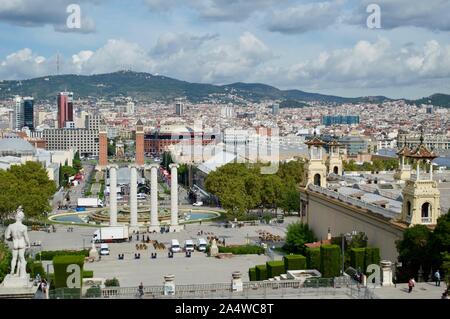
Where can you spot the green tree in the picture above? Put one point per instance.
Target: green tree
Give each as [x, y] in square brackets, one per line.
[415, 251]
[27, 185]
[289, 200]
[111, 147]
[271, 190]
[298, 234]
[349, 166]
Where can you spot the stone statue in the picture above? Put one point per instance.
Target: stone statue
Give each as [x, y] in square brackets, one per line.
[19, 235]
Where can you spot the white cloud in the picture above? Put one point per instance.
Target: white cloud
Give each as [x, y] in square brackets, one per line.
[374, 64]
[184, 56]
[305, 17]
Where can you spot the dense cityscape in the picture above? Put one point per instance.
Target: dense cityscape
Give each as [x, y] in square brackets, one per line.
[130, 184]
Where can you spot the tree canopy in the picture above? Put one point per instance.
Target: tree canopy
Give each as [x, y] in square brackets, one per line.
[241, 188]
[298, 234]
[27, 185]
[421, 247]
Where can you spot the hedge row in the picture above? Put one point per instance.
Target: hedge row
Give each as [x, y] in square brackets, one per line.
[242, 250]
[372, 256]
[275, 268]
[5, 261]
[294, 262]
[330, 263]
[36, 268]
[61, 274]
[261, 272]
[49, 255]
[313, 258]
[252, 274]
[357, 258]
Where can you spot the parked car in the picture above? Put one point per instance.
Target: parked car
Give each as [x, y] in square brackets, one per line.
[104, 249]
[175, 246]
[189, 246]
[198, 204]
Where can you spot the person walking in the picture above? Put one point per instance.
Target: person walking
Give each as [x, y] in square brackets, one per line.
[437, 278]
[141, 290]
[411, 284]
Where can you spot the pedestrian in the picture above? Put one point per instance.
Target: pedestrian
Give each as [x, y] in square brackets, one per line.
[411, 284]
[437, 278]
[141, 290]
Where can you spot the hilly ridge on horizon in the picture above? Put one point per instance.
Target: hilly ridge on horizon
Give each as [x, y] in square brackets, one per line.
[145, 86]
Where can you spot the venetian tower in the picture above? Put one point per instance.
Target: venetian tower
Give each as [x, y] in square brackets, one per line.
[334, 161]
[315, 168]
[421, 196]
[404, 171]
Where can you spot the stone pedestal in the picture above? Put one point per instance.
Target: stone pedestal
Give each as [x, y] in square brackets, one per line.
[214, 250]
[236, 282]
[14, 287]
[386, 273]
[169, 285]
[93, 252]
[13, 281]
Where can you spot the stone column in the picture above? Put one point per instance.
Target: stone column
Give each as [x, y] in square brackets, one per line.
[169, 285]
[154, 223]
[133, 199]
[386, 273]
[174, 198]
[236, 282]
[113, 195]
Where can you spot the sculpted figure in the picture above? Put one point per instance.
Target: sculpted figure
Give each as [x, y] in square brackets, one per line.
[19, 235]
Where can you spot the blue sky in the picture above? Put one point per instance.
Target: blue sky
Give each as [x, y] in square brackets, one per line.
[321, 46]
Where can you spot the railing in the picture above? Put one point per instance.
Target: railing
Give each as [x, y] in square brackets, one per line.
[426, 220]
[344, 286]
[355, 202]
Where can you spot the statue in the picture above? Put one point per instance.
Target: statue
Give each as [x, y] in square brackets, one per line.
[19, 235]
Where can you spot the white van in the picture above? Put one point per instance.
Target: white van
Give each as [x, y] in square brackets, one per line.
[189, 246]
[201, 244]
[175, 246]
[104, 249]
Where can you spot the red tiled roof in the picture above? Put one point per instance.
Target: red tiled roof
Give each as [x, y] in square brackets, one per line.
[318, 243]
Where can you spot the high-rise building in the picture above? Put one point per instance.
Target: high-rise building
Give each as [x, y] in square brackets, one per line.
[179, 109]
[131, 107]
[340, 119]
[275, 109]
[28, 111]
[19, 120]
[65, 108]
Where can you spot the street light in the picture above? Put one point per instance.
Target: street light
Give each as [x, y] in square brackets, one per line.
[347, 236]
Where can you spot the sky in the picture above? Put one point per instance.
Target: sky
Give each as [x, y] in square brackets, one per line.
[323, 46]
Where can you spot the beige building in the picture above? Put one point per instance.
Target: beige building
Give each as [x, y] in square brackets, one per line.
[381, 209]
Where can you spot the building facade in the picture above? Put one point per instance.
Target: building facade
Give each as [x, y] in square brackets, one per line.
[65, 108]
[84, 140]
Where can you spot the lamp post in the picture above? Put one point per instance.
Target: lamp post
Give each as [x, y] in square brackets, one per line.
[347, 236]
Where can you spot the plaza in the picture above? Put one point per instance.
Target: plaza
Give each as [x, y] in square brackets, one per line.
[197, 269]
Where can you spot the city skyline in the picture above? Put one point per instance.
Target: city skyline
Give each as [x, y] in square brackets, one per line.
[323, 47]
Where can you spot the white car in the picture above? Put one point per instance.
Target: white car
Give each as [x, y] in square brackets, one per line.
[104, 249]
[175, 246]
[189, 246]
[198, 204]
